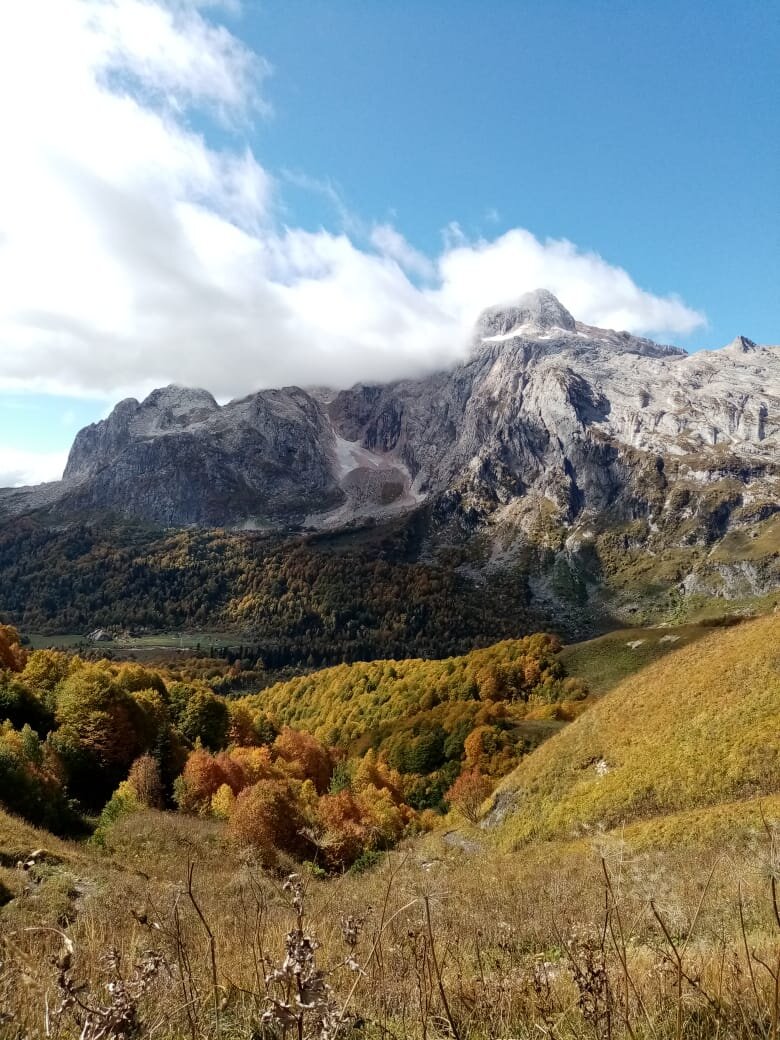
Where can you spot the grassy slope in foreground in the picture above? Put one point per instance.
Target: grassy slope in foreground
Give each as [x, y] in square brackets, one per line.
[699, 727]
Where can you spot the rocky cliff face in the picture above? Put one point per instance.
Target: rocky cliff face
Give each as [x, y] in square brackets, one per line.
[548, 408]
[177, 458]
[549, 425]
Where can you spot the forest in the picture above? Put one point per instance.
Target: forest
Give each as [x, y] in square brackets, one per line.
[305, 601]
[330, 767]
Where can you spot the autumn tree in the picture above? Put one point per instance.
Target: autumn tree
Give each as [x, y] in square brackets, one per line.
[44, 669]
[232, 771]
[345, 834]
[355, 822]
[134, 677]
[305, 757]
[146, 783]
[100, 731]
[373, 771]
[20, 704]
[12, 653]
[29, 785]
[222, 802]
[468, 793]
[199, 782]
[241, 729]
[271, 816]
[256, 763]
[152, 716]
[205, 717]
[481, 743]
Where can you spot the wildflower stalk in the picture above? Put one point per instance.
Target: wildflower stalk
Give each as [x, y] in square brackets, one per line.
[437, 971]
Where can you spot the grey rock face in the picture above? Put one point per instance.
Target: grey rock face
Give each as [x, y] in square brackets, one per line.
[545, 414]
[547, 407]
[168, 410]
[177, 458]
[536, 311]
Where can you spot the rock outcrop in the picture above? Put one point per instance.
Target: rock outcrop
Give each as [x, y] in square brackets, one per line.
[177, 458]
[547, 407]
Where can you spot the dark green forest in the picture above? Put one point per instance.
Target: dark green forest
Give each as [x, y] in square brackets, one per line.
[307, 600]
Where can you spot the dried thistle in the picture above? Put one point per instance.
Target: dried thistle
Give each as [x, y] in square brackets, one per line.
[114, 1018]
[302, 999]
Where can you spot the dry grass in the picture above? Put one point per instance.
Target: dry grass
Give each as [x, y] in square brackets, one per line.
[586, 938]
[604, 661]
[697, 728]
[665, 926]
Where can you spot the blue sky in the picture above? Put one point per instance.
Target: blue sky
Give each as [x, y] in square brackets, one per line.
[244, 195]
[649, 132]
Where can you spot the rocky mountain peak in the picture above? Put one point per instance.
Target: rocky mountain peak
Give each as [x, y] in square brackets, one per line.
[742, 345]
[185, 402]
[535, 312]
[546, 409]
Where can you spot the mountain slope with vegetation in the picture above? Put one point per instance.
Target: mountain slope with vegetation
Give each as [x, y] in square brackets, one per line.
[305, 601]
[184, 913]
[697, 728]
[80, 738]
[561, 477]
[344, 704]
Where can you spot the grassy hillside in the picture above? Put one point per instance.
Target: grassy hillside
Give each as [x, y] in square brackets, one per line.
[699, 727]
[527, 945]
[647, 931]
[604, 661]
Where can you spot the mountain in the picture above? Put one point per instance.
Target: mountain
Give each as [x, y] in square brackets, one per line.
[598, 463]
[544, 408]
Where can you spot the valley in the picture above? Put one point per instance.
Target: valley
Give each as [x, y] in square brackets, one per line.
[389, 520]
[343, 677]
[618, 879]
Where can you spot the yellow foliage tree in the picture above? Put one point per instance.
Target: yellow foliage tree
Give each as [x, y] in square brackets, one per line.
[222, 802]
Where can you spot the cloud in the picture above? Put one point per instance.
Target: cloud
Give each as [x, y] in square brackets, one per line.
[391, 243]
[19, 468]
[134, 251]
[595, 291]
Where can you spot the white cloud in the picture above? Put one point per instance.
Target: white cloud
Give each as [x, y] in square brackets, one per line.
[392, 244]
[133, 252]
[595, 291]
[18, 468]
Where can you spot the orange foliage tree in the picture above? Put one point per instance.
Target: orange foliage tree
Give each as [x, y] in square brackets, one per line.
[202, 777]
[468, 793]
[305, 757]
[272, 815]
[12, 653]
[345, 832]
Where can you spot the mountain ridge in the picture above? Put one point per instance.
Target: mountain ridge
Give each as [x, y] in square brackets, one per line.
[534, 377]
[597, 464]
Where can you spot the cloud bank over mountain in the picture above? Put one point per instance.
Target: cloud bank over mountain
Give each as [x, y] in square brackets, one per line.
[18, 468]
[142, 242]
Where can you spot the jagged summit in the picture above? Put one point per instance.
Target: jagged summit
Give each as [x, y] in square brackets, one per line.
[537, 311]
[742, 345]
[181, 399]
[546, 409]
